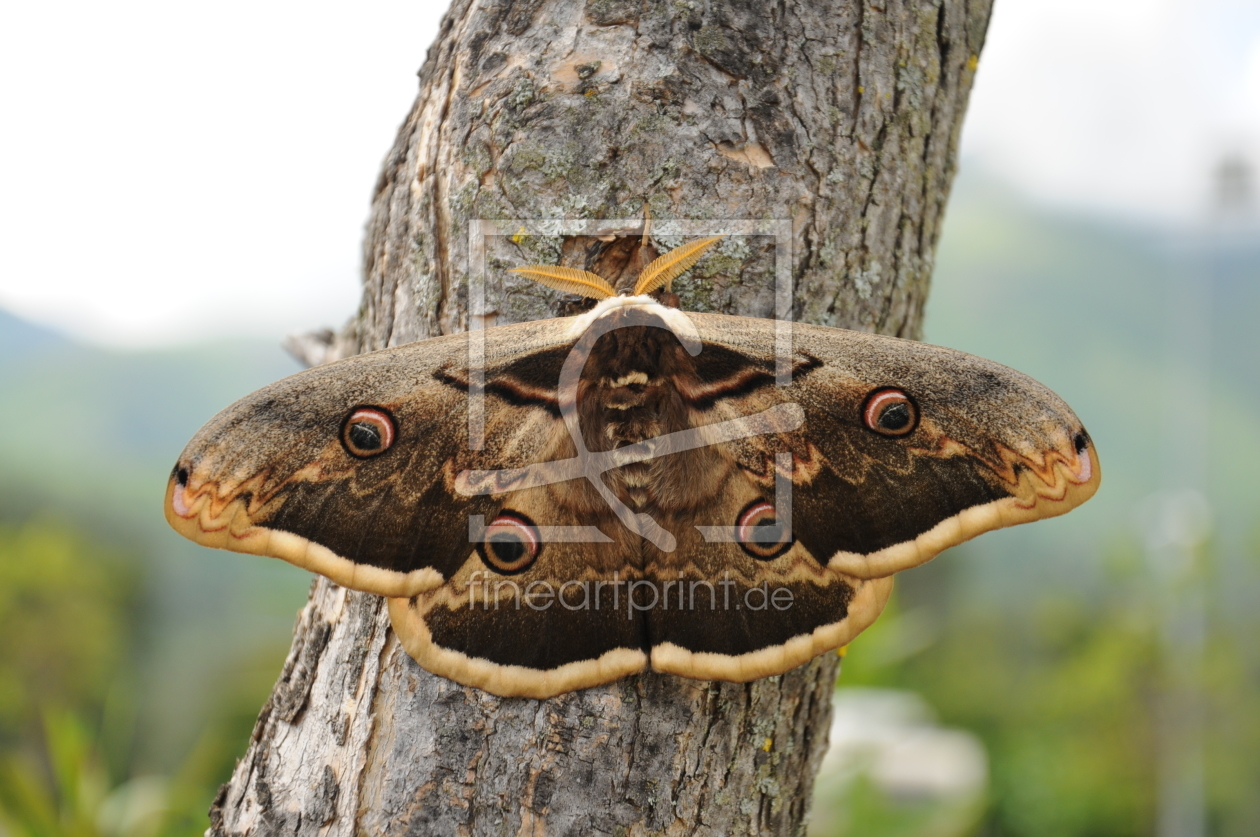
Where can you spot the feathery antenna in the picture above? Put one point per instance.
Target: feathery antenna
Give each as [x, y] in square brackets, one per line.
[568, 280]
[668, 267]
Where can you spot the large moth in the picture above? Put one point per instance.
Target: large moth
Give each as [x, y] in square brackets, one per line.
[648, 487]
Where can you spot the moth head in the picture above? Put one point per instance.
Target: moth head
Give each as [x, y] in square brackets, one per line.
[660, 272]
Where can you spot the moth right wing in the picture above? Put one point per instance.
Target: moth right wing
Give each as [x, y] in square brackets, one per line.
[982, 447]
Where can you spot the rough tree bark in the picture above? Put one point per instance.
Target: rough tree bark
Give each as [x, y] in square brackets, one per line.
[842, 117]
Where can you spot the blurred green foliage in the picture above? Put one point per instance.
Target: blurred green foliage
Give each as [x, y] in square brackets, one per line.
[65, 615]
[131, 668]
[1063, 691]
[68, 713]
[861, 808]
[67, 790]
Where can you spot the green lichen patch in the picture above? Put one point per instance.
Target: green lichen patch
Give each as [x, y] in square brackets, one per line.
[612, 12]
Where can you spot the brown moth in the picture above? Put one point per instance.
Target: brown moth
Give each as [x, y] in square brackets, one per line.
[650, 488]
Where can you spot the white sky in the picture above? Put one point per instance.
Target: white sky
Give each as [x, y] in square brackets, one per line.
[109, 233]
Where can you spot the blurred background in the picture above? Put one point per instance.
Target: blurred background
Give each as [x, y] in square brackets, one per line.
[1096, 674]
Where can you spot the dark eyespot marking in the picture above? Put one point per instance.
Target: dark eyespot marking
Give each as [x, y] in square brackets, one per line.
[181, 476]
[1080, 441]
[760, 532]
[890, 412]
[368, 432]
[511, 544]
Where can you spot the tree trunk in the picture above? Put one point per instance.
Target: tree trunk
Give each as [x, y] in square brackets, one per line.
[842, 118]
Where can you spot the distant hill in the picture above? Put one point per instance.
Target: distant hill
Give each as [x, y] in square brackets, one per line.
[75, 411]
[1083, 304]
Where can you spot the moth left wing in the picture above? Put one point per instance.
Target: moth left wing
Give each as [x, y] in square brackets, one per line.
[349, 469]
